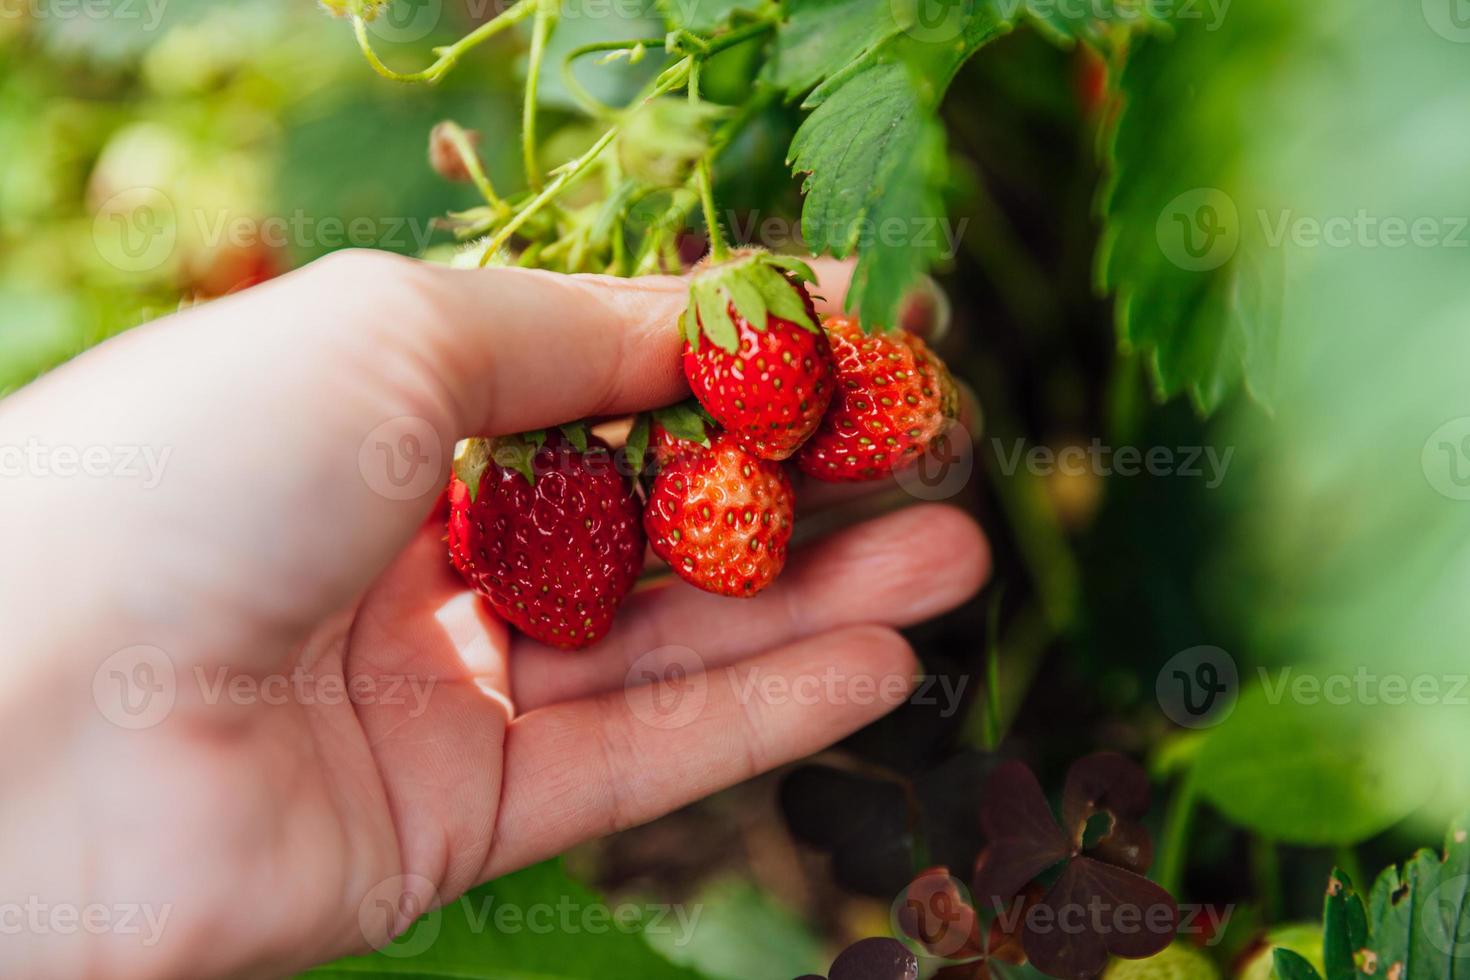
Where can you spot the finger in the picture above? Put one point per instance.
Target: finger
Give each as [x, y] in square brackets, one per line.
[897, 570]
[426, 667]
[925, 309]
[591, 767]
[833, 278]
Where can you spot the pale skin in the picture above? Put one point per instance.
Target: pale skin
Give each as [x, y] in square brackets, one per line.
[261, 829]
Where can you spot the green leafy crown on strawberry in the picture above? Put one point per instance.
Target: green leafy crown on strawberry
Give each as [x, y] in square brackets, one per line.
[686, 420]
[513, 452]
[758, 284]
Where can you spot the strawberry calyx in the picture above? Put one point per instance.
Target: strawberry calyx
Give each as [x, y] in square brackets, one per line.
[686, 421]
[758, 285]
[513, 452]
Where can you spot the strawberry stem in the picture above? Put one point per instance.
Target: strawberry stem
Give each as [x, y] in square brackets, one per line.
[704, 179]
[540, 30]
[570, 171]
[448, 56]
[471, 161]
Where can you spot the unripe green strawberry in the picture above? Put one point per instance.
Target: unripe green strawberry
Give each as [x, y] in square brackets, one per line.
[720, 516]
[893, 398]
[554, 556]
[755, 356]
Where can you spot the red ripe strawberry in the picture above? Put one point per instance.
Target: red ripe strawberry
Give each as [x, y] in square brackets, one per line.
[754, 354]
[721, 517]
[554, 556]
[894, 396]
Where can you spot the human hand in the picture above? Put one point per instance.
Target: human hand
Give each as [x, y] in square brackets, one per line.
[181, 638]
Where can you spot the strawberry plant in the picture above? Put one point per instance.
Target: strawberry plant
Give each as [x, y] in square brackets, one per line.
[1093, 247]
[838, 118]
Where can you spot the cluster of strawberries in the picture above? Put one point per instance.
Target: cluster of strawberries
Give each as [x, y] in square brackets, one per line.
[550, 526]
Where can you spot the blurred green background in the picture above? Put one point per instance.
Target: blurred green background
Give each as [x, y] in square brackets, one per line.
[1333, 372]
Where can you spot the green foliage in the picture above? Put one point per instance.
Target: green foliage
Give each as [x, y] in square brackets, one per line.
[1290, 965]
[1303, 939]
[1419, 914]
[1198, 290]
[758, 285]
[536, 924]
[745, 933]
[1177, 961]
[1416, 925]
[704, 16]
[875, 161]
[1300, 770]
[819, 38]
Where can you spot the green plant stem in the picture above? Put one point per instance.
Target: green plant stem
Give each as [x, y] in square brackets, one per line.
[1177, 819]
[992, 734]
[573, 169]
[448, 56]
[471, 160]
[704, 180]
[540, 31]
[590, 103]
[1266, 869]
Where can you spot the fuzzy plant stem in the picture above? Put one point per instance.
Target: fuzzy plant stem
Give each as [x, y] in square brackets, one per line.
[449, 55]
[540, 31]
[703, 176]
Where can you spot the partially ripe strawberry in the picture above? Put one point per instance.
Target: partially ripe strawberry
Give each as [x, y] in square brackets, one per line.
[554, 556]
[894, 396]
[754, 354]
[721, 517]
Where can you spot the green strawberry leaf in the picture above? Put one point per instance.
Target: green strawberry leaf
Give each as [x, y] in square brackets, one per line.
[635, 450]
[682, 421]
[1262, 767]
[1344, 927]
[535, 924]
[1292, 966]
[820, 38]
[1199, 292]
[875, 163]
[1420, 914]
[703, 16]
